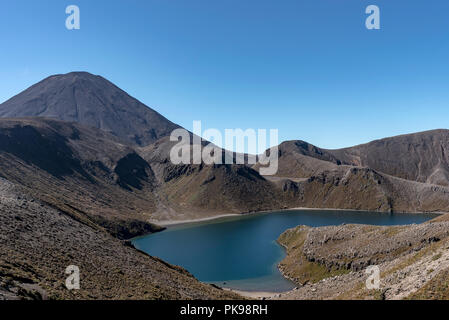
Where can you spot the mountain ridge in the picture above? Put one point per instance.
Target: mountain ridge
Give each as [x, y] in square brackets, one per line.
[219, 189]
[427, 158]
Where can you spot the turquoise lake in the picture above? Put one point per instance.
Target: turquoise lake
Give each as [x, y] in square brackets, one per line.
[242, 252]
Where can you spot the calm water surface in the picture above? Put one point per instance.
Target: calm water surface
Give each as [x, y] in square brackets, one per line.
[241, 252]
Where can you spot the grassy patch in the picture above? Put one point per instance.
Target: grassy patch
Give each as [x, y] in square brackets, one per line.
[435, 289]
[296, 266]
[436, 257]
[432, 248]
[392, 231]
[315, 272]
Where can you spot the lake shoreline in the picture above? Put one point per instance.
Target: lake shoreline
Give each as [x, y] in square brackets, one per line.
[171, 223]
[261, 295]
[271, 292]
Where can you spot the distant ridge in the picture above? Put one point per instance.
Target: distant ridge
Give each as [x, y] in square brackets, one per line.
[90, 100]
[421, 157]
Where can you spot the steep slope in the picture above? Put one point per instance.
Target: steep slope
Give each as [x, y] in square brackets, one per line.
[307, 149]
[93, 101]
[194, 191]
[198, 190]
[319, 178]
[90, 173]
[299, 159]
[81, 170]
[38, 243]
[422, 157]
[346, 187]
[330, 262]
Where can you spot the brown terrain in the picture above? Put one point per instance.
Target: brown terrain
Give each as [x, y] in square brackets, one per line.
[81, 170]
[38, 242]
[330, 262]
[427, 157]
[87, 155]
[320, 178]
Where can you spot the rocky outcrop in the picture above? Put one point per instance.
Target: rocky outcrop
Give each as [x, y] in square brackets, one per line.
[330, 262]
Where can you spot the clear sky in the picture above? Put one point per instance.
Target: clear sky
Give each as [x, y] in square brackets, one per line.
[309, 68]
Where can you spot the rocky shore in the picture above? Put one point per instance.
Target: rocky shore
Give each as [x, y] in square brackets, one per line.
[330, 262]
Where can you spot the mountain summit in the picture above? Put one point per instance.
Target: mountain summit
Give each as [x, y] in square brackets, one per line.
[91, 100]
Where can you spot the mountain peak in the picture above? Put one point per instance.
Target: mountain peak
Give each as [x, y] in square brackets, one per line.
[91, 100]
[73, 77]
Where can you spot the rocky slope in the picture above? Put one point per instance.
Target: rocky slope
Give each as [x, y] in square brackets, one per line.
[330, 262]
[195, 191]
[38, 243]
[93, 174]
[302, 181]
[81, 170]
[360, 188]
[427, 157]
[93, 101]
[421, 157]
[404, 173]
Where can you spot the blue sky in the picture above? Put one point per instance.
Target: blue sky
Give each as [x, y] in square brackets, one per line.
[309, 68]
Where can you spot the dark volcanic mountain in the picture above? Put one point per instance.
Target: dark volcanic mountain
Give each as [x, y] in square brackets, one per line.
[93, 101]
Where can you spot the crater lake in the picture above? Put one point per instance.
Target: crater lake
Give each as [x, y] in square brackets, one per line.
[241, 252]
